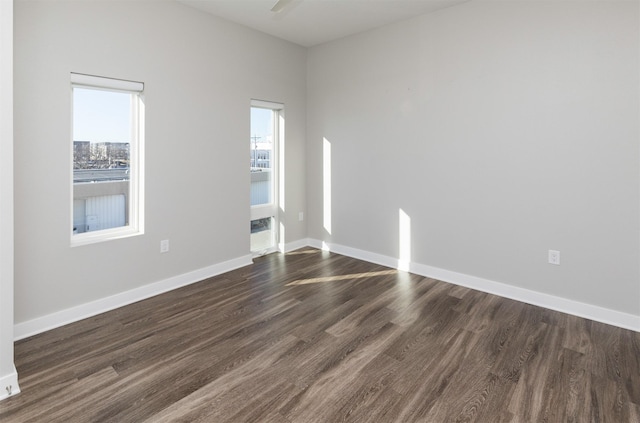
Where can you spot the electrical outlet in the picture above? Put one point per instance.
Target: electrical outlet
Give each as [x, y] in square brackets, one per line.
[554, 257]
[301, 216]
[164, 246]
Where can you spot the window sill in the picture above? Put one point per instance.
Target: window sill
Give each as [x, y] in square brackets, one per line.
[104, 235]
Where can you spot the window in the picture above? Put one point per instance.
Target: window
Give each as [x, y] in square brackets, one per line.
[107, 159]
[266, 160]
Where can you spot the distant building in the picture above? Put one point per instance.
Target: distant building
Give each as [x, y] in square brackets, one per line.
[81, 154]
[100, 155]
[107, 155]
[261, 155]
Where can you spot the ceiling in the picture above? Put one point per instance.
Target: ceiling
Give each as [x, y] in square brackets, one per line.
[312, 22]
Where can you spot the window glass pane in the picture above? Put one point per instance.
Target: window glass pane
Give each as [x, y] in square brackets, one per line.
[102, 131]
[262, 155]
[261, 234]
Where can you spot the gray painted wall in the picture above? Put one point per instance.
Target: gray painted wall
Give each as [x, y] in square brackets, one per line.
[502, 129]
[200, 73]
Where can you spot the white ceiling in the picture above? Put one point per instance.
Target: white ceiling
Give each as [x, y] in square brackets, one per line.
[312, 22]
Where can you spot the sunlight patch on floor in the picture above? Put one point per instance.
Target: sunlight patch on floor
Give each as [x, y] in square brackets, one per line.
[342, 277]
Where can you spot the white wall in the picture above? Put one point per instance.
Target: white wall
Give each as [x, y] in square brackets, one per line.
[502, 129]
[8, 375]
[200, 73]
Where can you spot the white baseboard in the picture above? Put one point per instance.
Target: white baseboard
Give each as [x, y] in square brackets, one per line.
[355, 253]
[9, 385]
[60, 318]
[294, 245]
[564, 305]
[41, 324]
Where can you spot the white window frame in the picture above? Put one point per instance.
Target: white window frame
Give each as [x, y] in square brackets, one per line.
[277, 182]
[136, 156]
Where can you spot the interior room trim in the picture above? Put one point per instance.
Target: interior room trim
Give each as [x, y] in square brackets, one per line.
[576, 308]
[60, 318]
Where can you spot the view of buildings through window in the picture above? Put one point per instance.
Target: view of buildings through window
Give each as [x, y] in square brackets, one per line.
[102, 131]
[262, 155]
[100, 155]
[261, 144]
[261, 138]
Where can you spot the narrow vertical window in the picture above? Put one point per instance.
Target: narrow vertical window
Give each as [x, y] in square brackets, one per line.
[107, 160]
[266, 143]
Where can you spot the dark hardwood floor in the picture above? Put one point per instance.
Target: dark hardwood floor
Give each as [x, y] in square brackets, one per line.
[317, 337]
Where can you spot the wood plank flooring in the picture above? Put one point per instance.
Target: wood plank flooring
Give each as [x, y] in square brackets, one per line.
[317, 337]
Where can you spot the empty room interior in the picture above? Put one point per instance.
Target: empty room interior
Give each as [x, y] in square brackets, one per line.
[320, 211]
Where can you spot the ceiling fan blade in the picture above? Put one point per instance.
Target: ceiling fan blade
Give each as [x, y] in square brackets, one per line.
[281, 4]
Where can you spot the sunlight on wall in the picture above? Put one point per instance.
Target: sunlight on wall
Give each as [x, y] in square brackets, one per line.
[404, 241]
[281, 237]
[281, 191]
[326, 184]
